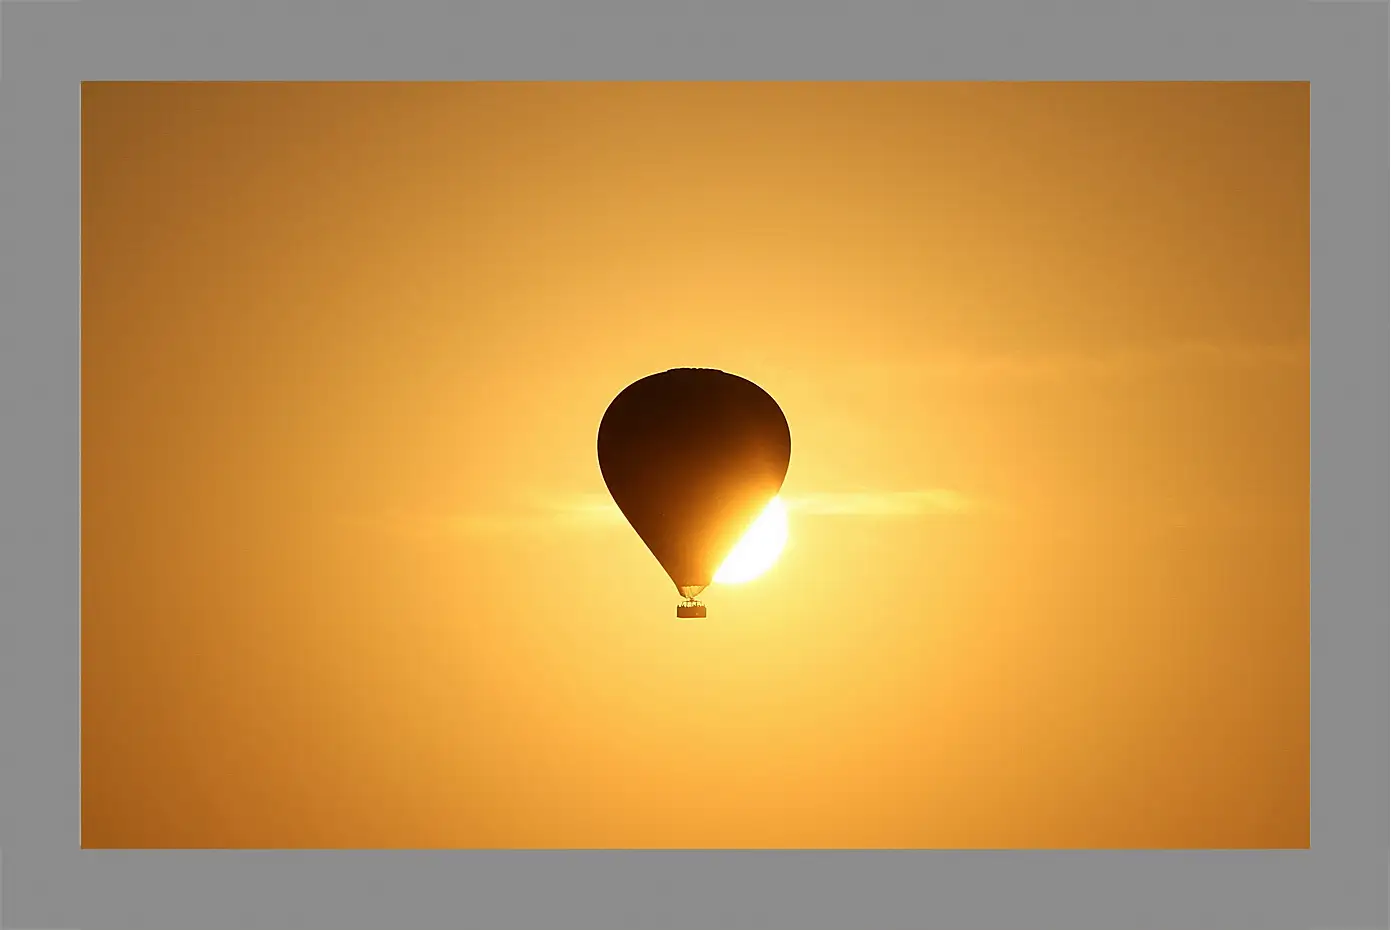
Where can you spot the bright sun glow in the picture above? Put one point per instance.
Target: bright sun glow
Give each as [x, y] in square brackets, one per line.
[758, 548]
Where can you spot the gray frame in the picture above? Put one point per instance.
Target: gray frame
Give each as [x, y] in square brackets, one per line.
[1340, 47]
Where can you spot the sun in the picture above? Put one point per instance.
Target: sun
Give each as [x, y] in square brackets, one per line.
[758, 548]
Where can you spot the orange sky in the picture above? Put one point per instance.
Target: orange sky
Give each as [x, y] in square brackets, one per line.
[349, 573]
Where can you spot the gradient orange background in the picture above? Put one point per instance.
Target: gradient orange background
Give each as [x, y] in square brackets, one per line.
[349, 578]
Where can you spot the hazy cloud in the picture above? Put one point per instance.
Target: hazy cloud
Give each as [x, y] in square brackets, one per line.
[586, 509]
[596, 508]
[598, 511]
[881, 503]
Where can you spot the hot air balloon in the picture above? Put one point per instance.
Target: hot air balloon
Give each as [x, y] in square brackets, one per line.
[691, 457]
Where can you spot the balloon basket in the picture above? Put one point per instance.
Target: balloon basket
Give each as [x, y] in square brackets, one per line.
[690, 609]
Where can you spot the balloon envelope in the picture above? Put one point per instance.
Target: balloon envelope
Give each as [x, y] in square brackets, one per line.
[691, 457]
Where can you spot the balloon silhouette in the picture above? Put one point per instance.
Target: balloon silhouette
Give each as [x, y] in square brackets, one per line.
[691, 457]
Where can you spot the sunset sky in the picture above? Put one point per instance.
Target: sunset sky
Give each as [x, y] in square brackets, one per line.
[351, 577]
